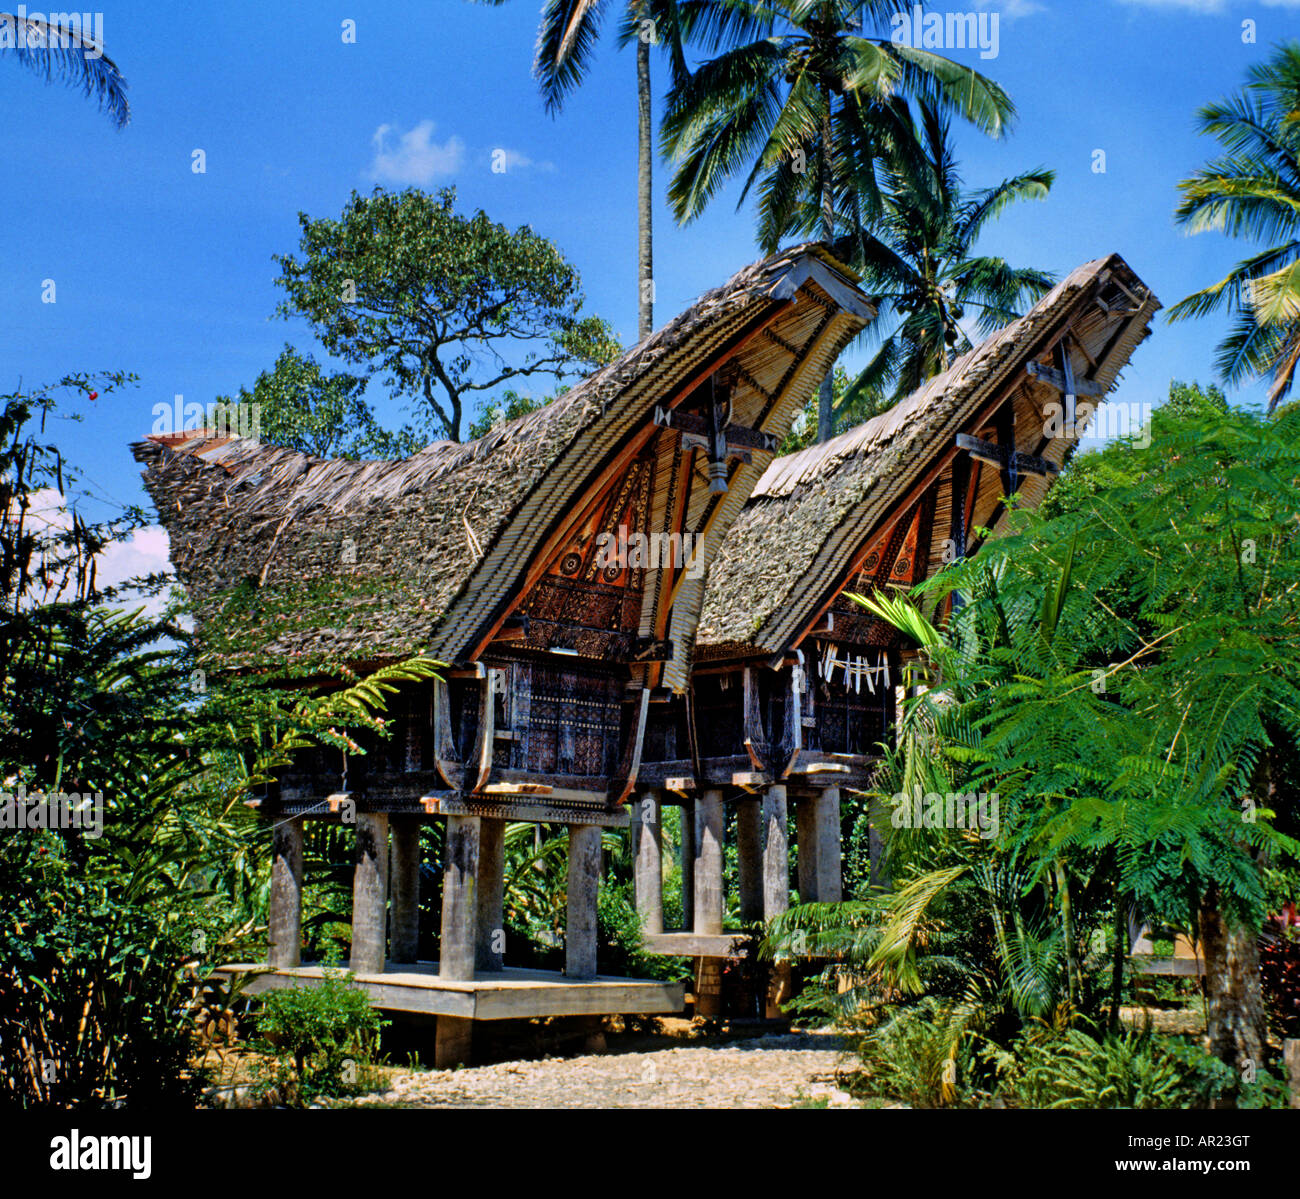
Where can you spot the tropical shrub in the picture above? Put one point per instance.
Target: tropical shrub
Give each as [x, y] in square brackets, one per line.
[321, 1040]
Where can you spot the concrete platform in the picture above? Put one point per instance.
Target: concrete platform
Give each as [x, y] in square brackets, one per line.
[511, 994]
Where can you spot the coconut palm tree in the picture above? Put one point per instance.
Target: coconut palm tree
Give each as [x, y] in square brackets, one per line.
[1253, 191]
[796, 88]
[566, 42]
[66, 52]
[917, 258]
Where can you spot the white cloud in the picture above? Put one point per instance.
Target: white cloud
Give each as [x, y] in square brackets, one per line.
[414, 157]
[515, 160]
[145, 552]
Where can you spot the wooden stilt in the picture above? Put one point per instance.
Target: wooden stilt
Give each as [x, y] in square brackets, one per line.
[826, 822]
[749, 826]
[370, 893]
[459, 899]
[776, 853]
[584, 884]
[648, 855]
[285, 932]
[491, 894]
[776, 888]
[454, 1042]
[708, 864]
[404, 918]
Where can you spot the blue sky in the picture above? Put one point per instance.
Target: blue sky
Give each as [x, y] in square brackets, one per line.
[168, 274]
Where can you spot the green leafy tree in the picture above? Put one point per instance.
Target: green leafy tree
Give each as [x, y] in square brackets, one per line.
[511, 406]
[449, 306]
[115, 922]
[1140, 698]
[793, 88]
[1253, 191]
[66, 51]
[302, 407]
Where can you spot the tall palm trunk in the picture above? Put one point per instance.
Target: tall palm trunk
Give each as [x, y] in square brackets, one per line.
[825, 396]
[1234, 998]
[645, 245]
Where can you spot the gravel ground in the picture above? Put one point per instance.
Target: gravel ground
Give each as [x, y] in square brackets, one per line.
[772, 1071]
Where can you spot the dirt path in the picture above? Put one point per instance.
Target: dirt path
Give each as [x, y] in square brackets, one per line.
[773, 1071]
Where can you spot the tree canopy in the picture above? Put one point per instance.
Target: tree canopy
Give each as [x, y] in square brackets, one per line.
[449, 306]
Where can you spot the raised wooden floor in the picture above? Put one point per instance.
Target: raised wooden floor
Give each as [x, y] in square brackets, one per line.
[510, 994]
[698, 945]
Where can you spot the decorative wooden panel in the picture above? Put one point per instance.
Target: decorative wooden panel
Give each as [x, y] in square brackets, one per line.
[583, 602]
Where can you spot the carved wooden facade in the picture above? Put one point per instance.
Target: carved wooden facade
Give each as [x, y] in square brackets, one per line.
[795, 685]
[556, 567]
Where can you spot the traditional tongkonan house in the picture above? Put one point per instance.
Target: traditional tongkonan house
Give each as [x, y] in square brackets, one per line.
[793, 687]
[556, 566]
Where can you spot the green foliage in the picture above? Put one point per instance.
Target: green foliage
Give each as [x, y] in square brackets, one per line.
[790, 91]
[1253, 191]
[62, 51]
[449, 306]
[303, 408]
[1134, 1069]
[1069, 1069]
[322, 1040]
[917, 257]
[110, 937]
[511, 406]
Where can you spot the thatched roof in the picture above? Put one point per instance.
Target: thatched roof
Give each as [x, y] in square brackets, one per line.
[286, 554]
[814, 510]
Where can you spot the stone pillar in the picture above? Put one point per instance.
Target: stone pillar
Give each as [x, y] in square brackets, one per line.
[749, 829]
[369, 893]
[459, 901]
[584, 883]
[776, 853]
[285, 932]
[404, 918]
[709, 831]
[688, 864]
[826, 829]
[491, 894]
[648, 858]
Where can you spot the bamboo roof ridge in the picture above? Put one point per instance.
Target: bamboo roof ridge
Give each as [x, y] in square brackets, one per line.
[292, 555]
[814, 509]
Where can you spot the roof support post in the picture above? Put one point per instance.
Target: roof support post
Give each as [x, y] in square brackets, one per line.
[776, 853]
[817, 820]
[369, 893]
[648, 855]
[459, 902]
[584, 885]
[490, 937]
[708, 863]
[826, 825]
[285, 932]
